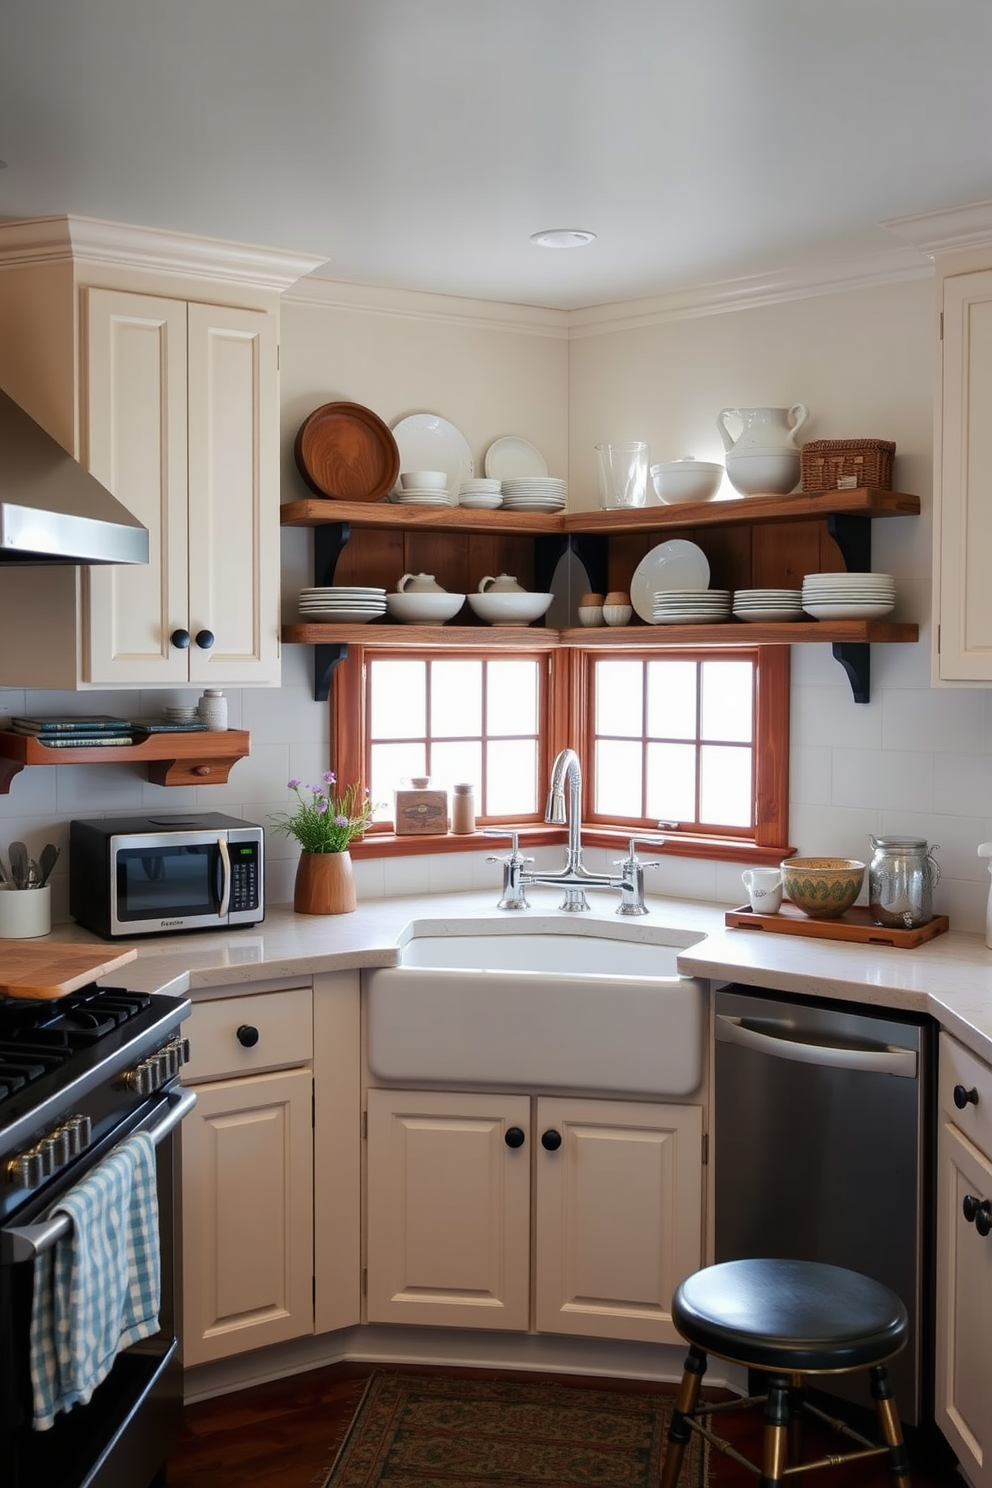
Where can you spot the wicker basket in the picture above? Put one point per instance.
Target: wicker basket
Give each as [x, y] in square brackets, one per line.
[845, 464]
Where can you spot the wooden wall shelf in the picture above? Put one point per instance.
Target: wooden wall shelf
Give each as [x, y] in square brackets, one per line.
[811, 528]
[171, 759]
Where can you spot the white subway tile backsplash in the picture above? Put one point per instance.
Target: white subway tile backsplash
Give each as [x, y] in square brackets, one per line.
[931, 718]
[873, 777]
[962, 783]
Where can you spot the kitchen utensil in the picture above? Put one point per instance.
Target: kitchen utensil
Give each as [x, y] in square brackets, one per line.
[345, 451]
[686, 480]
[902, 875]
[763, 458]
[19, 864]
[49, 857]
[52, 971]
[623, 474]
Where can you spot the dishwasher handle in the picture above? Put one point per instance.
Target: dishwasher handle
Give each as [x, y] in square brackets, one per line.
[889, 1061]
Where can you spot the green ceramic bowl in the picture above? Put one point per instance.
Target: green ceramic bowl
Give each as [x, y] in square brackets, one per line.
[822, 888]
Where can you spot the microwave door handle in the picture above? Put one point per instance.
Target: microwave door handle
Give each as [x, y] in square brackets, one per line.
[890, 1061]
[26, 1242]
[225, 887]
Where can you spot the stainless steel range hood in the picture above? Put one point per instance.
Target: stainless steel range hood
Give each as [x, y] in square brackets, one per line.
[51, 509]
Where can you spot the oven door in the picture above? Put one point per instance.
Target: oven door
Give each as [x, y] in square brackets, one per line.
[169, 880]
[122, 1437]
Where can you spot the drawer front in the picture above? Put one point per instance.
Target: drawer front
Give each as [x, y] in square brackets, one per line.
[958, 1066]
[283, 1022]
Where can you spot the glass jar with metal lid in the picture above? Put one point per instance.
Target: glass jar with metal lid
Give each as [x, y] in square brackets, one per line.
[901, 878]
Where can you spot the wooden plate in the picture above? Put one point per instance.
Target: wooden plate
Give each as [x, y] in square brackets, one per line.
[346, 451]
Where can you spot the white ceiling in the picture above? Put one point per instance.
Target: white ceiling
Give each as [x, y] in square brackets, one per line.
[419, 143]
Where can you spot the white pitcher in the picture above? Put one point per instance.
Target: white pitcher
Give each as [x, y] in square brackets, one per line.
[422, 583]
[764, 458]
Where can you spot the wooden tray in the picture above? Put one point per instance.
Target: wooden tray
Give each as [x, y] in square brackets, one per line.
[854, 924]
[345, 451]
[50, 971]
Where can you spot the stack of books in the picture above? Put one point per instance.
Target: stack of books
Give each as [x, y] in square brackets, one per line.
[76, 732]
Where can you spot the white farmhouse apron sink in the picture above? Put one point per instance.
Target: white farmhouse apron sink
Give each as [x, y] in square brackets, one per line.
[547, 1005]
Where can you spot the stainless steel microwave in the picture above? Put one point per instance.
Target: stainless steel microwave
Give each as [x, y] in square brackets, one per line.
[152, 875]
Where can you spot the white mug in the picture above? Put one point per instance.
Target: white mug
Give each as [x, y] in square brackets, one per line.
[764, 889]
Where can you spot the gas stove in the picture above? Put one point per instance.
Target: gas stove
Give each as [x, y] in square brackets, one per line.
[73, 1068]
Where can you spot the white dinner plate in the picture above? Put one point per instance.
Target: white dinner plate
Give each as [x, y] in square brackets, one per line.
[847, 611]
[511, 457]
[428, 442]
[671, 565]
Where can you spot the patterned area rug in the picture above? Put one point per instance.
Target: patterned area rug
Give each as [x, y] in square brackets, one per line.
[420, 1431]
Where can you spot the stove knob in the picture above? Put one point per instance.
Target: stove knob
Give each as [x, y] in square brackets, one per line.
[79, 1133]
[27, 1170]
[56, 1144]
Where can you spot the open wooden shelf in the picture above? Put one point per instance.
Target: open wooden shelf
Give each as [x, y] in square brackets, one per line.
[172, 759]
[483, 637]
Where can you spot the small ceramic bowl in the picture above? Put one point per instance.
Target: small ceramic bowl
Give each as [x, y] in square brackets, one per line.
[590, 614]
[424, 480]
[617, 614]
[423, 608]
[822, 888]
[686, 480]
[507, 607]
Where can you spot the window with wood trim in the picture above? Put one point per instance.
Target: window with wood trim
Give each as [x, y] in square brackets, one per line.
[694, 740]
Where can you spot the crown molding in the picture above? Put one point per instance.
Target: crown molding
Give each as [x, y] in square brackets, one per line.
[953, 230]
[87, 239]
[493, 315]
[753, 292]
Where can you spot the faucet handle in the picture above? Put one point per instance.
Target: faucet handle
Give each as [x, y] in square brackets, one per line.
[632, 851]
[514, 837]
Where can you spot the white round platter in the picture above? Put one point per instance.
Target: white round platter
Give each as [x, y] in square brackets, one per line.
[671, 565]
[428, 442]
[510, 456]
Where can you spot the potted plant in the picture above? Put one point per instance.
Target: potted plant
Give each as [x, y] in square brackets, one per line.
[325, 825]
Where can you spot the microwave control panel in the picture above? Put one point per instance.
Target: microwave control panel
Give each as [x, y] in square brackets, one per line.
[245, 876]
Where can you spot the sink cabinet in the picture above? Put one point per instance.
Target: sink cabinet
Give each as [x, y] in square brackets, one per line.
[543, 1213]
[153, 359]
[964, 1258]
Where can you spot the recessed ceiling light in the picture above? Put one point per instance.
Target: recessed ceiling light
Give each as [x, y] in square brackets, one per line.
[563, 237]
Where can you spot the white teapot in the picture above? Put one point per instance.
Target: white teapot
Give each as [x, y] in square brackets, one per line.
[503, 584]
[763, 460]
[422, 583]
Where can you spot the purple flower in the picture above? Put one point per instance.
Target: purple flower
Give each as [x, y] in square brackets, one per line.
[341, 821]
[321, 808]
[293, 784]
[330, 777]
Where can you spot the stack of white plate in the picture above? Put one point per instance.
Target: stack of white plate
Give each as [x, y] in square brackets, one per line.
[690, 606]
[533, 493]
[848, 596]
[342, 604]
[768, 604]
[480, 494]
[422, 496]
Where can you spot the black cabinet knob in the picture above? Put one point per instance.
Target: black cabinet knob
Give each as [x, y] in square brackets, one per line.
[551, 1140]
[978, 1212]
[248, 1035]
[969, 1207]
[514, 1137]
[180, 639]
[205, 639]
[964, 1097]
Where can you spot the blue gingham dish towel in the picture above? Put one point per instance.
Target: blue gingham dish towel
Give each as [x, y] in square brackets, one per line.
[98, 1289]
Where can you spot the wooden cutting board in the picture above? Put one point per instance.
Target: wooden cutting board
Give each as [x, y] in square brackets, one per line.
[49, 971]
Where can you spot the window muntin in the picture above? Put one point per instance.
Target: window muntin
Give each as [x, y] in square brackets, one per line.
[674, 739]
[456, 718]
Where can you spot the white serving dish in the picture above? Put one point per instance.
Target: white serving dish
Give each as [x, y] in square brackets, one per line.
[508, 608]
[424, 608]
[686, 480]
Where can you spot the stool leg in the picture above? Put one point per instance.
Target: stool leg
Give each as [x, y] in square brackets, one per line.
[685, 1404]
[775, 1437]
[896, 1458]
[797, 1399]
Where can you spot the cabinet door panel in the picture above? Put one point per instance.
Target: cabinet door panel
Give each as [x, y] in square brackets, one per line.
[247, 1199]
[234, 494]
[619, 1218]
[135, 418]
[964, 1306]
[448, 1210]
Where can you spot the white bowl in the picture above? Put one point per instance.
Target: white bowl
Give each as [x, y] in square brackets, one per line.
[509, 608]
[423, 608]
[770, 471]
[424, 480]
[686, 480]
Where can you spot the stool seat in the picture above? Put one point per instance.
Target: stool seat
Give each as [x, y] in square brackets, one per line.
[795, 1317]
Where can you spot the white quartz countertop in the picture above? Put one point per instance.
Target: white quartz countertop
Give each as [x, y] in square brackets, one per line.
[950, 976]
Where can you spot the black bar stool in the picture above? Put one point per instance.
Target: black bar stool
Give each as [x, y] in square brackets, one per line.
[788, 1320]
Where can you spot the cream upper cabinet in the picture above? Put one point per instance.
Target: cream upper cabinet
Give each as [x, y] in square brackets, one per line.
[963, 516]
[152, 358]
[182, 411]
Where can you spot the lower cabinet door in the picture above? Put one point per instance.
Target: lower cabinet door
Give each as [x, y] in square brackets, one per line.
[619, 1215]
[247, 1215]
[964, 1305]
[448, 1209]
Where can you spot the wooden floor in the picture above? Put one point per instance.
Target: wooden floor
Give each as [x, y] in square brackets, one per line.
[286, 1435]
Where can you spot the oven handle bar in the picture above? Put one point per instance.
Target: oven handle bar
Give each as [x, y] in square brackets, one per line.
[890, 1061]
[28, 1241]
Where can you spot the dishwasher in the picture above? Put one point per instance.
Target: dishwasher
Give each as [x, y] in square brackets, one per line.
[823, 1151]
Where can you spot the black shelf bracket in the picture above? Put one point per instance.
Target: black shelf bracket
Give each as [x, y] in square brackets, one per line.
[853, 536]
[327, 655]
[855, 658]
[329, 540]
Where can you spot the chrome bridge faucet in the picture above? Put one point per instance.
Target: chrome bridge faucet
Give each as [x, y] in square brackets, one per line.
[573, 878]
